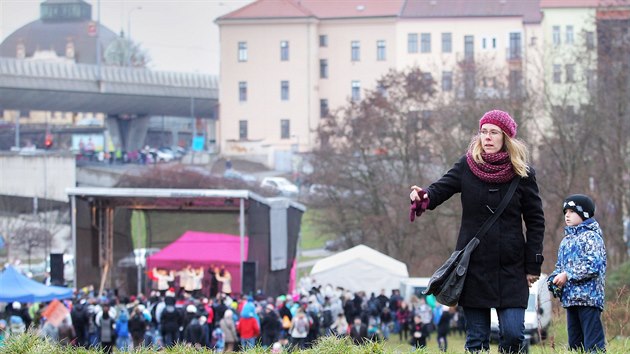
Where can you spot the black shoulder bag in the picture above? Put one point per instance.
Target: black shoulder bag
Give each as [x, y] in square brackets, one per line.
[447, 282]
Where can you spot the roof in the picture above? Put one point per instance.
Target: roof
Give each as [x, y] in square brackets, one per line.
[529, 10]
[582, 3]
[568, 3]
[15, 286]
[353, 8]
[173, 193]
[363, 253]
[322, 9]
[269, 9]
[41, 35]
[202, 248]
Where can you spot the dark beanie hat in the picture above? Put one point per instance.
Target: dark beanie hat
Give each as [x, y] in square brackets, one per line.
[500, 119]
[580, 204]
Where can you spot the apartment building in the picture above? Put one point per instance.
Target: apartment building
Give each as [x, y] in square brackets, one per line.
[286, 63]
[570, 50]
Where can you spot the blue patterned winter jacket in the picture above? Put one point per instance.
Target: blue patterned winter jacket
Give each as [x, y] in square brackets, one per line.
[582, 255]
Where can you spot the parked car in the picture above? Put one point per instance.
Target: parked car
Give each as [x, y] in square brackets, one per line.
[240, 176]
[537, 315]
[280, 185]
[321, 191]
[164, 154]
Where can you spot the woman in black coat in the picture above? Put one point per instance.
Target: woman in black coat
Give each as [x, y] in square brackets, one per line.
[507, 260]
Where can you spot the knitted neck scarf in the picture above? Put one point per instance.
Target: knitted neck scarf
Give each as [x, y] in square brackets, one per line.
[496, 168]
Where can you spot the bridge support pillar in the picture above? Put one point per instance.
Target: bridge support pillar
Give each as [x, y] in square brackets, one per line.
[128, 132]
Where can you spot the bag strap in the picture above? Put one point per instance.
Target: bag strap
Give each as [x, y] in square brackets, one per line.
[506, 199]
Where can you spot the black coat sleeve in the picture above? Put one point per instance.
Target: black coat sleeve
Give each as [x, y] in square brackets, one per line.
[444, 188]
[534, 219]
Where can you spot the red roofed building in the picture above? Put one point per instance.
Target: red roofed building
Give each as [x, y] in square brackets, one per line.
[286, 63]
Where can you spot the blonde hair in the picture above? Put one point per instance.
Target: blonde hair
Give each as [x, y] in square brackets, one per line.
[516, 149]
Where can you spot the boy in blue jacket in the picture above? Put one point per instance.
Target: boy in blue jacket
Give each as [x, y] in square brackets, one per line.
[578, 279]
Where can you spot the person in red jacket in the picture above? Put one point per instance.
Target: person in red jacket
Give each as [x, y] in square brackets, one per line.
[248, 327]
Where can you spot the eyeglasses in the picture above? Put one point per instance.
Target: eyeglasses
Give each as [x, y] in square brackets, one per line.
[493, 133]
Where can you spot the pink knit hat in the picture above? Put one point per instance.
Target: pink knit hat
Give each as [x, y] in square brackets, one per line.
[500, 119]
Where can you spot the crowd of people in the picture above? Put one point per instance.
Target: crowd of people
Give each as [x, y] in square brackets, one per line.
[226, 323]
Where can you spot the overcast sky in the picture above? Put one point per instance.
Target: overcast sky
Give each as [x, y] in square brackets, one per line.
[180, 35]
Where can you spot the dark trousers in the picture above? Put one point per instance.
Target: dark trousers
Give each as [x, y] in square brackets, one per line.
[585, 329]
[442, 342]
[404, 329]
[169, 337]
[511, 329]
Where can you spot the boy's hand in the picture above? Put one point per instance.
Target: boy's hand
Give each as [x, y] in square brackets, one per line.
[560, 279]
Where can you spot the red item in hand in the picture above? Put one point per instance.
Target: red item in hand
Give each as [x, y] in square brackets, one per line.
[418, 207]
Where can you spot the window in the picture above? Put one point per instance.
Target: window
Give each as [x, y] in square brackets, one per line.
[425, 43]
[515, 45]
[381, 89]
[427, 77]
[556, 35]
[380, 50]
[469, 48]
[356, 90]
[242, 91]
[412, 43]
[356, 51]
[242, 129]
[323, 68]
[242, 51]
[488, 43]
[515, 82]
[323, 40]
[569, 38]
[284, 90]
[447, 80]
[590, 40]
[591, 80]
[570, 69]
[447, 42]
[285, 129]
[284, 50]
[323, 108]
[413, 120]
[557, 73]
[469, 84]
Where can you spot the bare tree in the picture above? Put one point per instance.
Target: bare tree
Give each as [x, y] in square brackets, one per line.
[584, 146]
[180, 176]
[30, 239]
[402, 133]
[124, 52]
[611, 177]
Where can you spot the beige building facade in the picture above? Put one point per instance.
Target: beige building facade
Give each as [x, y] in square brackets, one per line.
[334, 54]
[570, 47]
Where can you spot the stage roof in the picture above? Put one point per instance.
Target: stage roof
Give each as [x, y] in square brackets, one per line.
[180, 196]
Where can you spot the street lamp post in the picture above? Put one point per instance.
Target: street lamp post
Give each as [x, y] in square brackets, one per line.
[129, 33]
[140, 259]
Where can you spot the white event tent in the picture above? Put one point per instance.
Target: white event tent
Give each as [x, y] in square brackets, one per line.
[360, 268]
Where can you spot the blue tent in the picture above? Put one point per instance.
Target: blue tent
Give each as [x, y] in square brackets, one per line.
[15, 286]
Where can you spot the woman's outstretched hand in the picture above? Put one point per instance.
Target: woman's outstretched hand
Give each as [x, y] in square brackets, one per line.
[416, 193]
[419, 202]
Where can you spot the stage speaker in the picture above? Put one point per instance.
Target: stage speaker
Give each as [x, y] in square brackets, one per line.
[56, 269]
[249, 278]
